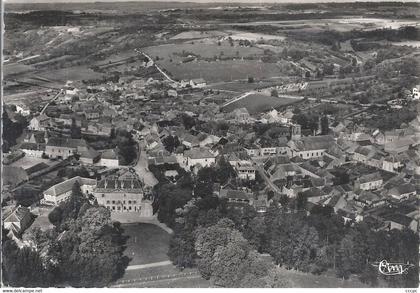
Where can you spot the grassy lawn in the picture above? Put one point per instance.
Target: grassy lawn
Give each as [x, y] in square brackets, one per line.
[41, 221]
[147, 243]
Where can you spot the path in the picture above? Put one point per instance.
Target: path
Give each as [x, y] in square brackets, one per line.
[149, 265]
[235, 99]
[261, 171]
[52, 100]
[157, 67]
[238, 98]
[133, 283]
[142, 170]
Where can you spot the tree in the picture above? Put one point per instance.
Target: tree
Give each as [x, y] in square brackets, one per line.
[181, 249]
[169, 198]
[75, 130]
[88, 249]
[274, 93]
[226, 257]
[224, 171]
[126, 145]
[324, 125]
[11, 130]
[171, 143]
[55, 216]
[301, 201]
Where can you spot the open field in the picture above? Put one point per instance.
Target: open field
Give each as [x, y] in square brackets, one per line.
[22, 96]
[255, 103]
[16, 68]
[237, 35]
[223, 70]
[200, 48]
[198, 35]
[339, 24]
[70, 73]
[147, 243]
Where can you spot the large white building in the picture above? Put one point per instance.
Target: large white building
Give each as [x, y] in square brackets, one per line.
[62, 191]
[310, 147]
[109, 158]
[123, 193]
[200, 157]
[369, 181]
[39, 123]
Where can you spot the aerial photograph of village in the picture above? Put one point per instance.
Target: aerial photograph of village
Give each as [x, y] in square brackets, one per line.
[152, 144]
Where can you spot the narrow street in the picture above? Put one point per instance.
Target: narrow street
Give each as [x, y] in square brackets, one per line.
[141, 168]
[52, 100]
[267, 180]
[157, 67]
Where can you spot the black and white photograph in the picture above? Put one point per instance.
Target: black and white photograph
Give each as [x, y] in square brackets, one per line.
[210, 144]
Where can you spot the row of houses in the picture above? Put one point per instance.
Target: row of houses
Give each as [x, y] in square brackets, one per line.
[64, 147]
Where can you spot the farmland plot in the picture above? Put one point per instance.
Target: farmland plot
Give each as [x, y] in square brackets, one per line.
[230, 70]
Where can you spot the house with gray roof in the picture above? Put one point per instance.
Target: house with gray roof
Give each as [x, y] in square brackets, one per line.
[62, 191]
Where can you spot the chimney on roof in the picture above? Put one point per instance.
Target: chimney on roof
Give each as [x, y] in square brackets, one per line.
[116, 183]
[132, 184]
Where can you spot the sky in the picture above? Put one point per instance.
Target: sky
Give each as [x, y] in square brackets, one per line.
[198, 1]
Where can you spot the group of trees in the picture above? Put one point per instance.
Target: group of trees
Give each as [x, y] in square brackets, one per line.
[84, 249]
[171, 143]
[308, 121]
[172, 196]
[311, 243]
[226, 257]
[127, 147]
[11, 130]
[119, 138]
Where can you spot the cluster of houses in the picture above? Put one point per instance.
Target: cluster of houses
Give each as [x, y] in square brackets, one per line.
[359, 172]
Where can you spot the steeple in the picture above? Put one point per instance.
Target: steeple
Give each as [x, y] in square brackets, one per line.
[46, 136]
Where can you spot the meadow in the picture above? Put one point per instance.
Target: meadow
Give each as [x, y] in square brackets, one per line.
[204, 48]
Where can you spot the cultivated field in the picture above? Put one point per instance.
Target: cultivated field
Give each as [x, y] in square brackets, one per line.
[213, 72]
[198, 35]
[75, 73]
[200, 48]
[255, 103]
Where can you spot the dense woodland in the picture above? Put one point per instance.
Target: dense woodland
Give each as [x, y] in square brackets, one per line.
[314, 242]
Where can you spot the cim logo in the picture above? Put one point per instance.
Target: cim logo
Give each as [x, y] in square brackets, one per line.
[391, 269]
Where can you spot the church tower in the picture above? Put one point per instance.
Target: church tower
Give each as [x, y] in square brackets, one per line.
[296, 131]
[46, 136]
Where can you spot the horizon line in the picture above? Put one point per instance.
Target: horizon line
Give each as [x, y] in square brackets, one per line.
[248, 2]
